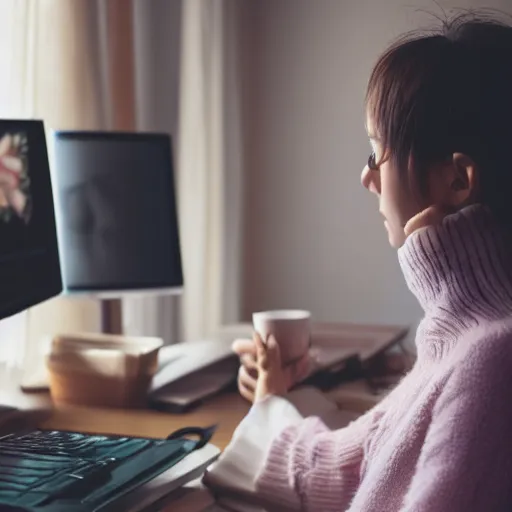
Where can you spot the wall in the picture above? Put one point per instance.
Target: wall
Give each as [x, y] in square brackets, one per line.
[313, 237]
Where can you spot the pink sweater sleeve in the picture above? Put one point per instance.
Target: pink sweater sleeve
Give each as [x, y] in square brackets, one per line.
[466, 460]
[311, 464]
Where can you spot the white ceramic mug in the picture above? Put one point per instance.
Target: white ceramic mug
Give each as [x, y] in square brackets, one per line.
[290, 327]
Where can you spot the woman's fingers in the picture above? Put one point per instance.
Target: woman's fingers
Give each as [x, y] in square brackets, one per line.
[299, 370]
[245, 378]
[244, 346]
[246, 393]
[431, 216]
[261, 351]
[246, 384]
[248, 371]
[271, 376]
[250, 363]
[261, 365]
[273, 353]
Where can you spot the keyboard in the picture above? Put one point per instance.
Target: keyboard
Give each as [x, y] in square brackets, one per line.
[56, 470]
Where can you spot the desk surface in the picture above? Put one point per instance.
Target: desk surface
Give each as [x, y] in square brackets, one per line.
[226, 411]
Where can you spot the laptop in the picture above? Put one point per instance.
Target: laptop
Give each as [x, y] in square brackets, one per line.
[50, 470]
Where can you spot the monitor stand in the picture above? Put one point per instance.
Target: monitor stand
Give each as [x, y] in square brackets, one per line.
[111, 316]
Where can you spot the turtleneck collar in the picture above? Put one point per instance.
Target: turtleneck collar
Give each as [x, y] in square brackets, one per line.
[461, 273]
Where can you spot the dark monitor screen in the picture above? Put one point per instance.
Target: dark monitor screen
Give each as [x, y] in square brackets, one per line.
[118, 228]
[29, 255]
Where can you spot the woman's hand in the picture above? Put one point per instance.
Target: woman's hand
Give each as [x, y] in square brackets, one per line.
[248, 371]
[431, 216]
[260, 360]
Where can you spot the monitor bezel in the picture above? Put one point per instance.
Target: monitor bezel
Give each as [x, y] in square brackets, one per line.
[121, 293]
[51, 262]
[130, 289]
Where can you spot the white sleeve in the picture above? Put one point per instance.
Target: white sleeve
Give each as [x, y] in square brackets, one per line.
[251, 442]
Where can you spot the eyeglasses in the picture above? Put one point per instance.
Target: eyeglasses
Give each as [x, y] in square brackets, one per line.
[372, 162]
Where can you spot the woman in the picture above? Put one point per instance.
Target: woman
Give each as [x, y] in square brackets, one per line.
[439, 119]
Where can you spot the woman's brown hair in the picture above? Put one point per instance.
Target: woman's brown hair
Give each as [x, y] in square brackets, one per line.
[446, 91]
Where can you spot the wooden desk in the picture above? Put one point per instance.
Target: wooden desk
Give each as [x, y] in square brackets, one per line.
[226, 411]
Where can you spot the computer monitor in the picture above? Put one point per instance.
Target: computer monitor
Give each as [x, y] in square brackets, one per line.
[29, 255]
[117, 223]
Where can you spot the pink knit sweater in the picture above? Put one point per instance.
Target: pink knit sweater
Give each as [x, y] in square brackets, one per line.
[442, 440]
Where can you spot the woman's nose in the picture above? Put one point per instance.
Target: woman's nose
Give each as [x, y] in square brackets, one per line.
[370, 179]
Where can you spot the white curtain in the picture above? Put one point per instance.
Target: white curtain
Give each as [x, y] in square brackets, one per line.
[42, 78]
[186, 61]
[209, 163]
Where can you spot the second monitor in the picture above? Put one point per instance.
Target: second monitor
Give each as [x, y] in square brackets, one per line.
[117, 221]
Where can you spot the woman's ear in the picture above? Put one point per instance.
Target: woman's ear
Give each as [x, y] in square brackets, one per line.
[454, 183]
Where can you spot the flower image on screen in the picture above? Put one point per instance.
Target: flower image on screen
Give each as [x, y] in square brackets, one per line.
[15, 197]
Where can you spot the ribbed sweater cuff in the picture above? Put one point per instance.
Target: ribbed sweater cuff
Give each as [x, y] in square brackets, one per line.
[310, 463]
